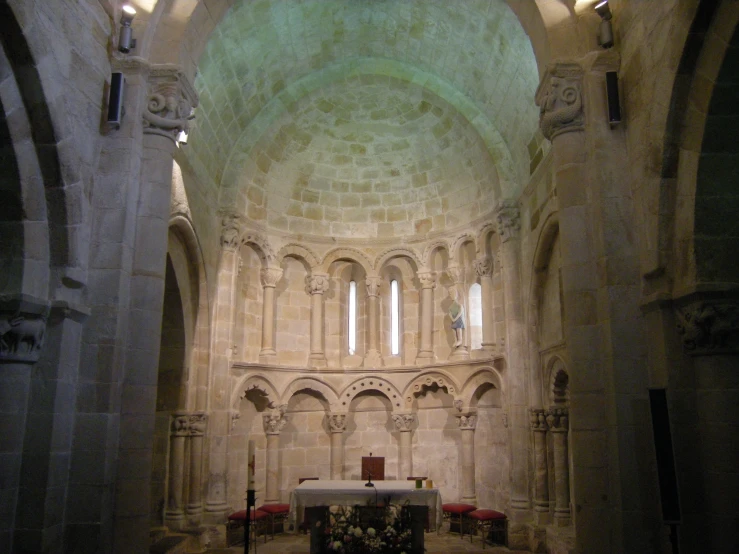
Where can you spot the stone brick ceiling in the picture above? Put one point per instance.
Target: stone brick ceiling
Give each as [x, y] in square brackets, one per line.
[365, 117]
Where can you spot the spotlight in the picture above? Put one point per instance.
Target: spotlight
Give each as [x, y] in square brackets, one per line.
[603, 10]
[605, 36]
[125, 40]
[182, 138]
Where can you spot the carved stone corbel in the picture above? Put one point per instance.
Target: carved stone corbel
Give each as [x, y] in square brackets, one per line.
[22, 329]
[559, 98]
[171, 101]
[709, 327]
[404, 422]
[508, 219]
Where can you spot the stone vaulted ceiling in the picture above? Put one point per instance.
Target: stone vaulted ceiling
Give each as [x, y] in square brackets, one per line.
[363, 118]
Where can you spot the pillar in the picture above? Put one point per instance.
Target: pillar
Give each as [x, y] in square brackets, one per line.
[274, 422]
[558, 421]
[508, 224]
[269, 276]
[467, 424]
[539, 428]
[484, 269]
[197, 424]
[318, 284]
[404, 423]
[337, 426]
[373, 358]
[428, 283]
[180, 429]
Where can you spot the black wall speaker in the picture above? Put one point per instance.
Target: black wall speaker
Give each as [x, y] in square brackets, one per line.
[665, 456]
[115, 100]
[614, 105]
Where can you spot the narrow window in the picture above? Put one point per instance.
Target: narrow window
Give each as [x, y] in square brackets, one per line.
[352, 317]
[475, 316]
[394, 318]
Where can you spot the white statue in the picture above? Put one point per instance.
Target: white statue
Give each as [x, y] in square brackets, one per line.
[456, 312]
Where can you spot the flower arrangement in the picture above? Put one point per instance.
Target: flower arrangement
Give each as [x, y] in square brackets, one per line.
[387, 533]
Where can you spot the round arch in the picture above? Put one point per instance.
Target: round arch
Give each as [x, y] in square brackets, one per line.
[313, 384]
[378, 384]
[439, 378]
[349, 254]
[484, 376]
[255, 382]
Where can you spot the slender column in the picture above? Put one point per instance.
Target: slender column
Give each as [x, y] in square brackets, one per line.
[180, 429]
[198, 425]
[270, 276]
[337, 426]
[404, 423]
[318, 283]
[467, 424]
[273, 423]
[373, 358]
[558, 422]
[428, 283]
[540, 427]
[484, 270]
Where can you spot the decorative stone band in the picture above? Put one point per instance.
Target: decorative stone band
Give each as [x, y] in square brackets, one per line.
[508, 219]
[538, 419]
[170, 103]
[373, 285]
[317, 283]
[558, 420]
[270, 276]
[274, 422]
[198, 422]
[483, 267]
[559, 98]
[404, 422]
[467, 422]
[22, 329]
[336, 422]
[427, 279]
[709, 327]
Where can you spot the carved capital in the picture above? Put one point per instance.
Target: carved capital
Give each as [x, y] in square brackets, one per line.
[467, 422]
[709, 327]
[274, 422]
[508, 219]
[538, 420]
[558, 420]
[180, 424]
[270, 276]
[404, 422]
[171, 101]
[373, 285]
[453, 272]
[318, 283]
[22, 329]
[559, 98]
[483, 267]
[198, 422]
[231, 231]
[427, 279]
[336, 422]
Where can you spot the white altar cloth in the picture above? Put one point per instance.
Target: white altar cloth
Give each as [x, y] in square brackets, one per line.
[350, 493]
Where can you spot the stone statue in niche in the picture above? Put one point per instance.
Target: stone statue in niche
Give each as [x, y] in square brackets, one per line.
[456, 313]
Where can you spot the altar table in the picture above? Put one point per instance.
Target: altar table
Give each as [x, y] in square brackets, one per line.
[351, 493]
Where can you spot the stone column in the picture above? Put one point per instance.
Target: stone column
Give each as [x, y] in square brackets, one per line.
[198, 424]
[540, 427]
[274, 422]
[428, 283]
[318, 283]
[558, 421]
[508, 223]
[484, 270]
[270, 276]
[404, 423]
[467, 423]
[337, 426]
[175, 514]
[373, 358]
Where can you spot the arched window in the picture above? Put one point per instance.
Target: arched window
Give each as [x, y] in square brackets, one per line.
[475, 300]
[352, 317]
[394, 318]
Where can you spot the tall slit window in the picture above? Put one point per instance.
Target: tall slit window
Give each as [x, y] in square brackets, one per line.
[352, 317]
[394, 318]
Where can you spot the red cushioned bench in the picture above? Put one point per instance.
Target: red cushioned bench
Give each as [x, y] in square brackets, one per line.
[489, 522]
[456, 509]
[277, 514]
[234, 531]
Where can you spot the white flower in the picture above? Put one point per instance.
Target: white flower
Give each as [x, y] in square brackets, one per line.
[336, 545]
[357, 532]
[371, 532]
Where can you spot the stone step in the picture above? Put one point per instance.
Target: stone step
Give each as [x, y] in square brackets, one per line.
[172, 544]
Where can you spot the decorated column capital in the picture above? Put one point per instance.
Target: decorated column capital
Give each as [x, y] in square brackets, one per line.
[317, 283]
[170, 102]
[538, 420]
[180, 424]
[198, 421]
[373, 283]
[404, 422]
[274, 422]
[559, 98]
[454, 273]
[336, 422]
[709, 326]
[467, 422]
[270, 276]
[558, 420]
[232, 229]
[483, 267]
[427, 279]
[508, 219]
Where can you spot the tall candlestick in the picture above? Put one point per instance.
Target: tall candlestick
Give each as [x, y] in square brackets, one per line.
[251, 465]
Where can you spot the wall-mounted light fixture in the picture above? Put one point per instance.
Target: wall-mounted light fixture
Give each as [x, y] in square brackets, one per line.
[125, 39]
[605, 36]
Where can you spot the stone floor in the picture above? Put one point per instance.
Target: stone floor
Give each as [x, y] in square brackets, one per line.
[435, 544]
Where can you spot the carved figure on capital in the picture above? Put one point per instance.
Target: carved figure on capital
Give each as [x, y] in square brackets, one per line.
[709, 327]
[318, 283]
[337, 423]
[21, 336]
[230, 232]
[453, 272]
[558, 420]
[508, 218]
[274, 422]
[404, 422]
[180, 424]
[427, 279]
[559, 98]
[197, 423]
[483, 267]
[373, 285]
[169, 108]
[467, 422]
[270, 276]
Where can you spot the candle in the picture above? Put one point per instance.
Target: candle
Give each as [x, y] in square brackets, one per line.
[251, 466]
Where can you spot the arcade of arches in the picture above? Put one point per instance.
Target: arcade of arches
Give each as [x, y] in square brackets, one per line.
[288, 273]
